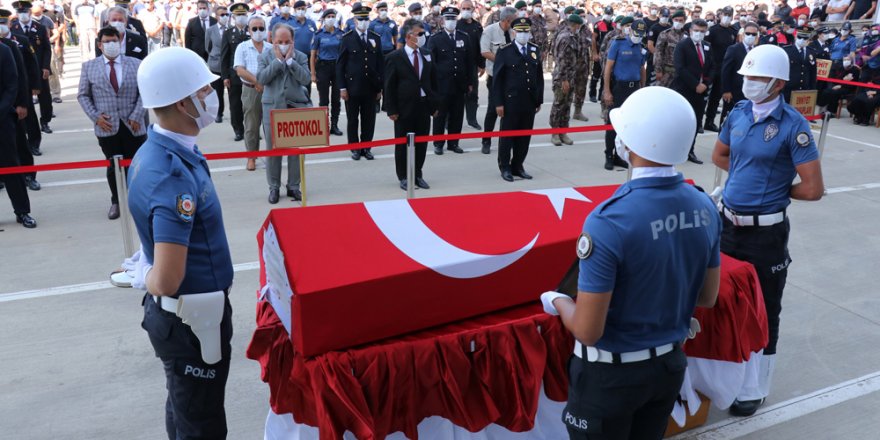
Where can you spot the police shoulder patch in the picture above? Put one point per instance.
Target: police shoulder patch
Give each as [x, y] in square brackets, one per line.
[584, 246]
[803, 139]
[186, 207]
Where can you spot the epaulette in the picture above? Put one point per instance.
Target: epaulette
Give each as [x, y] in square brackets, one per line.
[508, 44]
[349, 31]
[375, 33]
[533, 44]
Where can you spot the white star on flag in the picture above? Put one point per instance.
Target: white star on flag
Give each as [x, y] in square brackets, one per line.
[558, 196]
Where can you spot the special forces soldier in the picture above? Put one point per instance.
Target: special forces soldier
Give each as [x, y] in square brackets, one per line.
[602, 28]
[653, 33]
[664, 66]
[553, 21]
[567, 53]
[434, 18]
[539, 29]
[582, 69]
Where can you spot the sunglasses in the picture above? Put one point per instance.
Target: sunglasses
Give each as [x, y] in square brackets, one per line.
[419, 34]
[752, 34]
[258, 29]
[224, 15]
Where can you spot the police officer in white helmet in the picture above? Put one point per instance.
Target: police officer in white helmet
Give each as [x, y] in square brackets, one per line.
[648, 256]
[764, 144]
[185, 266]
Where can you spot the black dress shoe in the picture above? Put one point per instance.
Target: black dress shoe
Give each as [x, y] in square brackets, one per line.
[2, 185]
[506, 175]
[355, 154]
[618, 162]
[710, 126]
[367, 154]
[32, 184]
[487, 148]
[475, 125]
[745, 408]
[609, 163]
[36, 152]
[693, 158]
[523, 174]
[403, 184]
[273, 196]
[26, 220]
[56, 100]
[594, 99]
[456, 149]
[238, 137]
[45, 128]
[219, 119]
[113, 213]
[438, 151]
[422, 184]
[700, 130]
[295, 194]
[334, 130]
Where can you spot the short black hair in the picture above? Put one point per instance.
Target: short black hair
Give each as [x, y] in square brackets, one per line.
[203, 2]
[408, 26]
[700, 22]
[108, 31]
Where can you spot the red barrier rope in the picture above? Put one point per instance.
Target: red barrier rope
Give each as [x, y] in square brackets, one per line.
[851, 83]
[328, 149]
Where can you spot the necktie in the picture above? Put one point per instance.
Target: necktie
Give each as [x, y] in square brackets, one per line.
[113, 81]
[524, 51]
[365, 39]
[416, 63]
[805, 54]
[699, 53]
[451, 37]
[204, 25]
[507, 37]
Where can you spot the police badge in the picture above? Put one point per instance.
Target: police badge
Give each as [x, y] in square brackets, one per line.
[584, 246]
[770, 132]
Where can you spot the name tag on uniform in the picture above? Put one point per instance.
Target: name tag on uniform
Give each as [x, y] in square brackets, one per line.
[459, 43]
[427, 57]
[644, 51]
[373, 43]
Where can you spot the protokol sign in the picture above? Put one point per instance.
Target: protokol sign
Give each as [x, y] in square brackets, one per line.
[300, 127]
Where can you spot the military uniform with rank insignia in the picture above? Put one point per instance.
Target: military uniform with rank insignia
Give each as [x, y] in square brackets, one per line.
[801, 63]
[451, 51]
[359, 78]
[567, 53]
[39, 38]
[518, 83]
[231, 39]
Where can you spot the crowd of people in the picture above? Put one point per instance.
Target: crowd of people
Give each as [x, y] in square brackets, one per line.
[597, 51]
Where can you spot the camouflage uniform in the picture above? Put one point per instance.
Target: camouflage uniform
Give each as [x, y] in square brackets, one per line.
[436, 21]
[551, 20]
[663, 51]
[582, 71]
[494, 17]
[539, 35]
[568, 54]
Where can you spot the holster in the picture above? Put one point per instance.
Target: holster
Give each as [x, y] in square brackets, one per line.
[203, 313]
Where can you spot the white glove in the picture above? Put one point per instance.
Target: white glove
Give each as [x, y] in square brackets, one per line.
[716, 196]
[695, 328]
[141, 269]
[547, 299]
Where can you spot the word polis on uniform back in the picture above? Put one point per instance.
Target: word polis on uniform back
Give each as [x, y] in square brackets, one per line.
[679, 222]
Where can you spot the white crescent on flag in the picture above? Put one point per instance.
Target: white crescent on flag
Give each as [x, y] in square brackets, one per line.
[403, 227]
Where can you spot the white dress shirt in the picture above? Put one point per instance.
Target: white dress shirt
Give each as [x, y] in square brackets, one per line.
[117, 67]
[182, 139]
[409, 54]
[643, 172]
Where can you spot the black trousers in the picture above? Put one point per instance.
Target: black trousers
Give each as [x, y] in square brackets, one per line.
[451, 117]
[219, 88]
[698, 103]
[622, 401]
[471, 102]
[25, 157]
[45, 99]
[124, 143]
[194, 407]
[328, 90]
[831, 97]
[861, 106]
[32, 126]
[15, 186]
[520, 118]
[363, 108]
[714, 100]
[236, 111]
[620, 90]
[597, 80]
[418, 122]
[766, 247]
[491, 114]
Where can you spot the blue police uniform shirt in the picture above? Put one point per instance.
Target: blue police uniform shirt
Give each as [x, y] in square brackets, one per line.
[387, 31]
[280, 19]
[764, 156]
[628, 60]
[841, 47]
[303, 33]
[651, 243]
[172, 200]
[327, 44]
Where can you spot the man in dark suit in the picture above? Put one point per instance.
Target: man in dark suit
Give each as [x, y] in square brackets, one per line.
[410, 97]
[133, 45]
[359, 75]
[801, 64]
[731, 81]
[197, 28]
[27, 128]
[518, 91]
[38, 36]
[231, 39]
[451, 50]
[694, 71]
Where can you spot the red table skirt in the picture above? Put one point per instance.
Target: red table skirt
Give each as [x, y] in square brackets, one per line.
[485, 370]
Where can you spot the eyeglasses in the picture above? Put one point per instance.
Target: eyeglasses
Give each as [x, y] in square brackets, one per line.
[258, 29]
[419, 34]
[752, 34]
[224, 15]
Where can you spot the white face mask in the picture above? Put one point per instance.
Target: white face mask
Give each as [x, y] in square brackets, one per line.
[537, 10]
[800, 43]
[635, 39]
[119, 26]
[241, 20]
[329, 22]
[223, 20]
[362, 25]
[258, 36]
[653, 12]
[523, 37]
[299, 13]
[664, 20]
[111, 49]
[467, 15]
[606, 17]
[521, 14]
[417, 17]
[802, 22]
[24, 17]
[449, 25]
[208, 113]
[627, 31]
[846, 64]
[383, 14]
[844, 33]
[710, 23]
[725, 20]
[697, 36]
[4, 30]
[621, 149]
[421, 40]
[285, 10]
[203, 13]
[757, 91]
[628, 13]
[677, 25]
[875, 32]
[814, 24]
[283, 48]
[436, 9]
[749, 40]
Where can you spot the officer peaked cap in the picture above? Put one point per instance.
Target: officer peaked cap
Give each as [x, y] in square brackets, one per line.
[450, 11]
[22, 5]
[5, 14]
[381, 5]
[522, 25]
[361, 11]
[239, 9]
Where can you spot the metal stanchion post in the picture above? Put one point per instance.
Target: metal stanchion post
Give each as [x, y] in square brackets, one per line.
[302, 177]
[125, 214]
[826, 118]
[719, 174]
[410, 165]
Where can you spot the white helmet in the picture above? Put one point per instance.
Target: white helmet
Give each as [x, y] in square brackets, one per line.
[171, 74]
[766, 60]
[656, 123]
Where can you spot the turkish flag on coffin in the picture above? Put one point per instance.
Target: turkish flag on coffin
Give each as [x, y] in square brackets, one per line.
[344, 275]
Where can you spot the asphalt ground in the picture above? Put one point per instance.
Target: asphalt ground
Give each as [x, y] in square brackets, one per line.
[74, 362]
